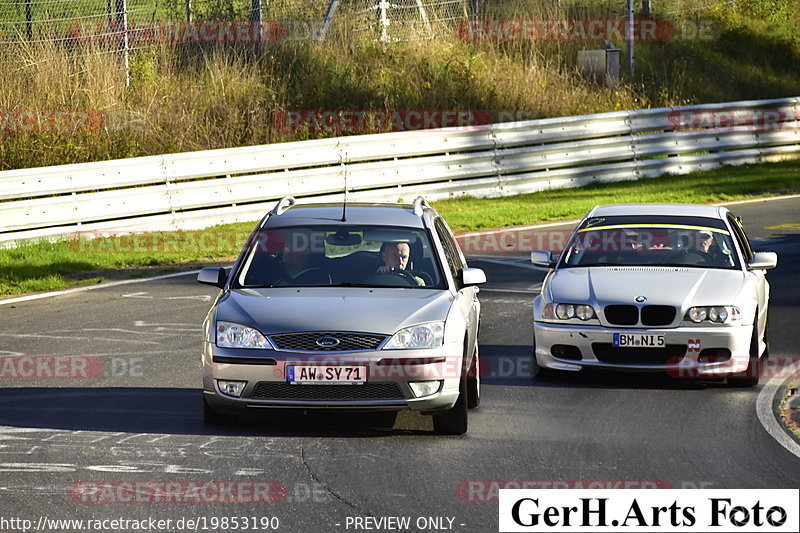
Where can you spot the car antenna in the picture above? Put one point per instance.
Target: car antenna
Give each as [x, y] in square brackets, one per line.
[344, 204]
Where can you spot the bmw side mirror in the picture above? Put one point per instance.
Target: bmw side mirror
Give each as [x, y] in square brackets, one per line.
[215, 276]
[542, 258]
[763, 261]
[472, 276]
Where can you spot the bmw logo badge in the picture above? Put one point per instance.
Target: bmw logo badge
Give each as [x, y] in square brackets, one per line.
[640, 299]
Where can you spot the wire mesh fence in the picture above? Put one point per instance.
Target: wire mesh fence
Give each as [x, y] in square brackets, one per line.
[40, 21]
[135, 23]
[132, 24]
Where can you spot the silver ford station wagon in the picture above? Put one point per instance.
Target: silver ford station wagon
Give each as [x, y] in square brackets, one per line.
[355, 307]
[667, 287]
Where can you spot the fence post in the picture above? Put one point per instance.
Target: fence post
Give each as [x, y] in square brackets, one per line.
[322, 32]
[630, 34]
[188, 11]
[257, 24]
[28, 20]
[122, 36]
[474, 9]
[383, 19]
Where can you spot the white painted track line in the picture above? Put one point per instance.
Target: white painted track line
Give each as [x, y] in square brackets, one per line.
[92, 287]
[764, 402]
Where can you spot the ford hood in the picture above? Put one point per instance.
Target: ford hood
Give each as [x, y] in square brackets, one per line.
[371, 310]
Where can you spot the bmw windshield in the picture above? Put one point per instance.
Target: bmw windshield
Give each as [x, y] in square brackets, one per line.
[340, 256]
[651, 241]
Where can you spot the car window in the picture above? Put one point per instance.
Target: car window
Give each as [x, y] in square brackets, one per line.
[652, 241]
[741, 237]
[340, 256]
[450, 251]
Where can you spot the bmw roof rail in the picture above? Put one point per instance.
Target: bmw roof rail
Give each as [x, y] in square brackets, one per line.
[420, 204]
[283, 204]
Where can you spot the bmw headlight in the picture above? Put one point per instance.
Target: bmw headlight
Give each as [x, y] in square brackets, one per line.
[562, 311]
[428, 335]
[718, 314]
[230, 335]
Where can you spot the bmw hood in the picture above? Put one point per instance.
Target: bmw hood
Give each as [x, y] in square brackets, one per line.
[678, 287]
[378, 310]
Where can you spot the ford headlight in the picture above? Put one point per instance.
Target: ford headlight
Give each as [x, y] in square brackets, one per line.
[428, 335]
[230, 335]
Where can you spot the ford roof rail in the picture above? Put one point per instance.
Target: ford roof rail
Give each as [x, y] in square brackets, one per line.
[419, 205]
[283, 204]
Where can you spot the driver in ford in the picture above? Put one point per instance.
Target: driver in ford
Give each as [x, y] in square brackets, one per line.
[395, 256]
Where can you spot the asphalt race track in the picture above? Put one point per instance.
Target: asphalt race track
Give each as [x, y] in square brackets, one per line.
[139, 418]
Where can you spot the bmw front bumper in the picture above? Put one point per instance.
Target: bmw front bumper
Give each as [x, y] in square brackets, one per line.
[687, 351]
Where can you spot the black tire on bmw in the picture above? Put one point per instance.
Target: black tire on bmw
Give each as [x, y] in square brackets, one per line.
[454, 420]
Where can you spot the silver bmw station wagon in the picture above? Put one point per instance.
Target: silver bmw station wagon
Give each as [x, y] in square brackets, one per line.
[667, 287]
[362, 307]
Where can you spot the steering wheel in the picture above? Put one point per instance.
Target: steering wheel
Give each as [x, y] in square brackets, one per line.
[426, 278]
[402, 274]
[406, 275]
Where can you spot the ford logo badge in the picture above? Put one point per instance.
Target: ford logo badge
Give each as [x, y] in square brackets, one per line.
[640, 299]
[327, 342]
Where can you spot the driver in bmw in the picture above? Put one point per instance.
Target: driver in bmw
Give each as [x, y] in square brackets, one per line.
[395, 256]
[703, 242]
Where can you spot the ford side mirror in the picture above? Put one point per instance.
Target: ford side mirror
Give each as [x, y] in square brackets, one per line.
[215, 276]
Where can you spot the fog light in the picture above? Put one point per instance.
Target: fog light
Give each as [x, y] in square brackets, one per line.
[231, 388]
[424, 388]
[714, 355]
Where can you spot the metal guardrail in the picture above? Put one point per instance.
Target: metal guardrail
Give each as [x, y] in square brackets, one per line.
[198, 189]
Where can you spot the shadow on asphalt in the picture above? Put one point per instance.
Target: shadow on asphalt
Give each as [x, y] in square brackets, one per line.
[179, 412]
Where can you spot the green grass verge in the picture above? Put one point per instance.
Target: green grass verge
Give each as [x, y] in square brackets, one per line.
[48, 266]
